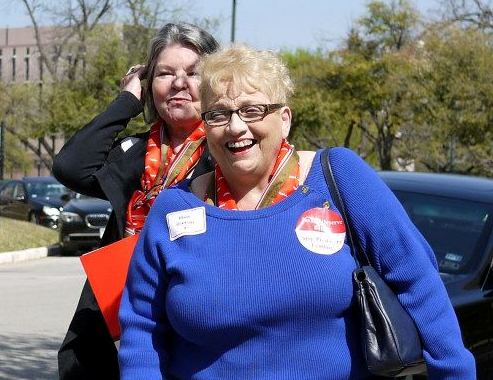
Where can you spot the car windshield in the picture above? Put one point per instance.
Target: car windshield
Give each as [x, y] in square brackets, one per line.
[456, 229]
[45, 189]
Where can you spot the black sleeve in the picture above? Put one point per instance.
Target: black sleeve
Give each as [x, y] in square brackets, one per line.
[87, 150]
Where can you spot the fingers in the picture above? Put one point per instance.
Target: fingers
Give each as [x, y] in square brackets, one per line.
[132, 77]
[131, 70]
[135, 69]
[131, 81]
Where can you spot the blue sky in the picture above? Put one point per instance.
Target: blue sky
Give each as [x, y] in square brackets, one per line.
[276, 24]
[265, 24]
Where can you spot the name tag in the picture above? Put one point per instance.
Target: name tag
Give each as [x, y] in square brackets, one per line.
[127, 143]
[186, 222]
[321, 231]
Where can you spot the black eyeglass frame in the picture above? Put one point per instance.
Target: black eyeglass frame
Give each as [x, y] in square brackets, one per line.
[269, 108]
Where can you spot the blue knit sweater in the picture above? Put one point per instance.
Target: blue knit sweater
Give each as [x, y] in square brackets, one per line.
[244, 299]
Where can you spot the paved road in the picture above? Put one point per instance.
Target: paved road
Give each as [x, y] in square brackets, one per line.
[37, 299]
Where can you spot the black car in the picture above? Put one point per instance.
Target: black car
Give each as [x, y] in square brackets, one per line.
[36, 199]
[82, 223]
[455, 215]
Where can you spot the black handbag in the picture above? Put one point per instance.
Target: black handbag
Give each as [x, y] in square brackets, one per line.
[391, 343]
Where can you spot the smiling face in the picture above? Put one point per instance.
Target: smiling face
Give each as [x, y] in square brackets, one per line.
[247, 151]
[175, 88]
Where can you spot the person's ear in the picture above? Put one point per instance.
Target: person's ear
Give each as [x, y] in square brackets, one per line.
[286, 121]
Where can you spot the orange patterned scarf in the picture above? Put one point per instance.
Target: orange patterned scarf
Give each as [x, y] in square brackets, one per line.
[162, 169]
[283, 181]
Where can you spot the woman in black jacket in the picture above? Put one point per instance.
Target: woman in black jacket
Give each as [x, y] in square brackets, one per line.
[132, 171]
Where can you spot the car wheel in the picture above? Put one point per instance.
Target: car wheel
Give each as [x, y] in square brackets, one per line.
[33, 218]
[67, 252]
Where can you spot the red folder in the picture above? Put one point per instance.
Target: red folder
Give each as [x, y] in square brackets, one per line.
[106, 269]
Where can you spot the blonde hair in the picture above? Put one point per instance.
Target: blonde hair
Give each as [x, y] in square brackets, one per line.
[242, 68]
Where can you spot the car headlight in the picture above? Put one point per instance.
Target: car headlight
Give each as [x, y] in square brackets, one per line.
[51, 211]
[70, 217]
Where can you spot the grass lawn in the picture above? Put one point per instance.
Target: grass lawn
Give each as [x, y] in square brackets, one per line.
[16, 235]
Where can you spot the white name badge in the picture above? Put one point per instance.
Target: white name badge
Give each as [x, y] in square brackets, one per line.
[321, 230]
[127, 143]
[186, 222]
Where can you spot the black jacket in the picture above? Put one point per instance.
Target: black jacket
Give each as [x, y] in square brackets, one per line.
[94, 162]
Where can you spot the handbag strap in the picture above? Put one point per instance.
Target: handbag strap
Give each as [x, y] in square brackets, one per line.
[354, 244]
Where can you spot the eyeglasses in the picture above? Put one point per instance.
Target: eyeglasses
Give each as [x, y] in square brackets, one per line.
[248, 114]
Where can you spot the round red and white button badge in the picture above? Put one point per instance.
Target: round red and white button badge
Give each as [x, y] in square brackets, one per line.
[321, 230]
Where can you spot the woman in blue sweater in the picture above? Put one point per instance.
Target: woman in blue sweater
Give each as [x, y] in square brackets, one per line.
[244, 273]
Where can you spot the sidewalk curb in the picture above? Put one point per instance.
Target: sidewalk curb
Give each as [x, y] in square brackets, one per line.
[26, 254]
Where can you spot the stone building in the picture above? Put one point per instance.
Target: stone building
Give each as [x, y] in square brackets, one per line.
[20, 62]
[19, 56]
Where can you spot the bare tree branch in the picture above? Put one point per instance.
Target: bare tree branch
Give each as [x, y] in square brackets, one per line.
[476, 13]
[47, 147]
[25, 140]
[31, 8]
[319, 142]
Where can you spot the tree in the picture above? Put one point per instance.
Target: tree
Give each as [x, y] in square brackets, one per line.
[372, 80]
[86, 58]
[358, 96]
[400, 94]
[314, 109]
[65, 48]
[15, 156]
[454, 112]
[39, 112]
[469, 13]
[143, 18]
[376, 95]
[20, 110]
[388, 27]
[68, 105]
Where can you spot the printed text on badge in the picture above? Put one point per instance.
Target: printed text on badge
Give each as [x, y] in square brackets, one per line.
[186, 222]
[321, 230]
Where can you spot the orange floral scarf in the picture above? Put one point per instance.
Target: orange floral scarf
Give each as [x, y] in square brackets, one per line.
[162, 169]
[283, 181]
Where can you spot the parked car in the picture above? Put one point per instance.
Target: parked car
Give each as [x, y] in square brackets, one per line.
[36, 199]
[82, 223]
[455, 215]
